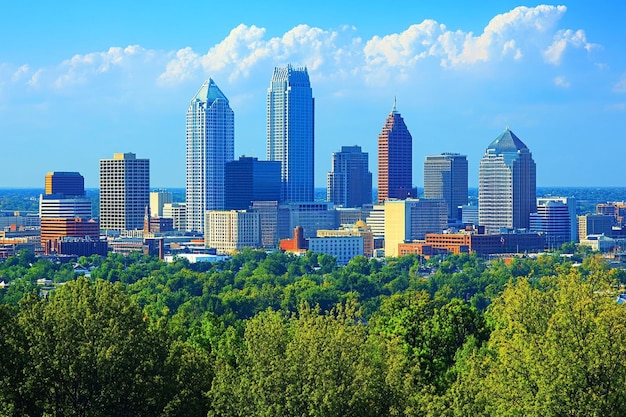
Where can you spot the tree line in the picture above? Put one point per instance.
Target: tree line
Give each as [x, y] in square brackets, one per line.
[276, 334]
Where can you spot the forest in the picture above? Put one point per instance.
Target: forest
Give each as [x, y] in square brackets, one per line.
[267, 334]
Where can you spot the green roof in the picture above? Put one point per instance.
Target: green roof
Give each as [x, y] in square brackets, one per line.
[507, 142]
[209, 92]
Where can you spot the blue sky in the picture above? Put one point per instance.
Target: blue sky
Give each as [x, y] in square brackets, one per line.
[81, 81]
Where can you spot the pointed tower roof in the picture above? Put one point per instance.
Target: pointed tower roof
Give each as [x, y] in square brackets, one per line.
[209, 92]
[507, 142]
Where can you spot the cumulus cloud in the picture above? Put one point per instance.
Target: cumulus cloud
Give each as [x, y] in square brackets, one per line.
[564, 39]
[620, 86]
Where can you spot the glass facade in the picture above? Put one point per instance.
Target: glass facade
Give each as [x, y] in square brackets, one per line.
[290, 131]
[445, 178]
[210, 144]
[506, 185]
[349, 183]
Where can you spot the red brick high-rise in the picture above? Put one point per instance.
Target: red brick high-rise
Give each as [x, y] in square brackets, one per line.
[395, 160]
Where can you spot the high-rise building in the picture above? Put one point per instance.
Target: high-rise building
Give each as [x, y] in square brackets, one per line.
[290, 131]
[124, 192]
[556, 220]
[445, 178]
[248, 180]
[349, 182]
[177, 212]
[395, 160]
[64, 212]
[231, 231]
[210, 144]
[506, 185]
[67, 184]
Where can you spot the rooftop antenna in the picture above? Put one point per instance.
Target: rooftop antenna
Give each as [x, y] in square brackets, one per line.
[393, 110]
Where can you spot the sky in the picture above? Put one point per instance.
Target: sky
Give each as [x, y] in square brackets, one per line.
[80, 81]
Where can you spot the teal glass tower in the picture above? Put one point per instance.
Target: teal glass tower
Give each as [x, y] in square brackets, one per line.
[507, 185]
[210, 145]
[290, 131]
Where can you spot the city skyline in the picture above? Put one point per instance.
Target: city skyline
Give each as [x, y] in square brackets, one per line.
[93, 81]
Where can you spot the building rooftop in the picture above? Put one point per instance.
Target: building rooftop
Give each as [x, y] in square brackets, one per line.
[507, 142]
[209, 92]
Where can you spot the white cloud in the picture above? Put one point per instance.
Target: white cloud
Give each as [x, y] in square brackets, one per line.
[562, 39]
[561, 82]
[620, 86]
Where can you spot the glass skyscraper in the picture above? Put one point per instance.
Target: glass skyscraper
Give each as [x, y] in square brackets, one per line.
[395, 160]
[507, 185]
[290, 131]
[445, 178]
[210, 144]
[350, 182]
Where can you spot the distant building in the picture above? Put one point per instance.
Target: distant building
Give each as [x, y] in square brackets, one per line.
[556, 220]
[615, 209]
[445, 178]
[412, 219]
[124, 192]
[210, 145]
[376, 220]
[158, 199]
[297, 244]
[290, 131]
[268, 222]
[64, 212]
[506, 185]
[360, 229]
[343, 248]
[312, 216]
[67, 184]
[231, 231]
[178, 213]
[594, 224]
[248, 180]
[395, 160]
[349, 183]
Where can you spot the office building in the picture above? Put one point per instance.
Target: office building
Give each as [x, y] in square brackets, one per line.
[359, 229]
[231, 231]
[268, 220]
[158, 199]
[248, 180]
[445, 178]
[594, 224]
[310, 216]
[343, 248]
[555, 220]
[506, 185]
[290, 131]
[412, 219]
[177, 212]
[124, 192]
[395, 160]
[349, 183]
[67, 184]
[210, 145]
[64, 212]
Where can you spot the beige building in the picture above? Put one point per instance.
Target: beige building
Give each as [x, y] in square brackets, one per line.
[231, 231]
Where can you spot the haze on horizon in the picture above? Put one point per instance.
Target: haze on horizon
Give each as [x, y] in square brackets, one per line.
[79, 83]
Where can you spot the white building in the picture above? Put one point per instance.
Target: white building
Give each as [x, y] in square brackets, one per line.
[178, 212]
[343, 248]
[210, 144]
[157, 200]
[124, 192]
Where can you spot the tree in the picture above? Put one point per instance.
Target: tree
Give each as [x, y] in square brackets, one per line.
[558, 348]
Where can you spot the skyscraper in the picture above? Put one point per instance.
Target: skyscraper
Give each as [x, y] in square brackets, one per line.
[124, 192]
[445, 178]
[290, 131]
[210, 144]
[395, 159]
[506, 185]
[248, 180]
[349, 182]
[68, 184]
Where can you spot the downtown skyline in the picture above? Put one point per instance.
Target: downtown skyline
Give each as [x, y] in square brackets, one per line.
[556, 74]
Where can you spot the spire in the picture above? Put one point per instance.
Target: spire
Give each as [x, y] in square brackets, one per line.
[393, 110]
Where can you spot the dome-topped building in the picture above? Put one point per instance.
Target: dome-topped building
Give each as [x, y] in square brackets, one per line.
[507, 185]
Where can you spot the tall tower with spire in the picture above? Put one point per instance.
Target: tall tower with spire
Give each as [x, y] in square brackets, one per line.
[290, 131]
[395, 159]
[210, 144]
[507, 186]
